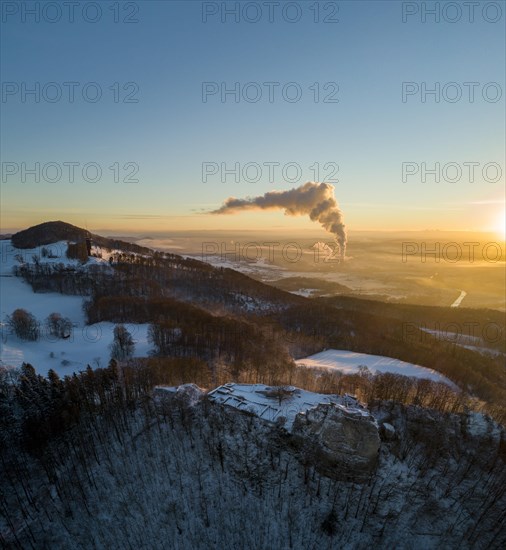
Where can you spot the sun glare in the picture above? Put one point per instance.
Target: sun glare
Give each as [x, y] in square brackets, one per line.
[500, 225]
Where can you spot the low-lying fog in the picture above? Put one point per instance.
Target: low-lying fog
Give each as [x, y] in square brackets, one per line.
[459, 269]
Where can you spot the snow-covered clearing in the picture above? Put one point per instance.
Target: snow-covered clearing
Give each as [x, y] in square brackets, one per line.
[468, 341]
[16, 293]
[87, 344]
[348, 362]
[54, 253]
[455, 337]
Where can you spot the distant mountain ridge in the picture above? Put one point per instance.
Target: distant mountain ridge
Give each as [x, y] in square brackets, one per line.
[54, 231]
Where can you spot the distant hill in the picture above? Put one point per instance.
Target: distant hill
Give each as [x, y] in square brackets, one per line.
[48, 233]
[54, 231]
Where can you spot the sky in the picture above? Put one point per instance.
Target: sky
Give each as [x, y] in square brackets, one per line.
[153, 138]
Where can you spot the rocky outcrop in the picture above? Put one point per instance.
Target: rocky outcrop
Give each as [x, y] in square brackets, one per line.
[342, 443]
[186, 395]
[387, 431]
[333, 433]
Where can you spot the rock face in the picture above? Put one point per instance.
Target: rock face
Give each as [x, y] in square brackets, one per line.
[186, 395]
[333, 433]
[387, 431]
[341, 443]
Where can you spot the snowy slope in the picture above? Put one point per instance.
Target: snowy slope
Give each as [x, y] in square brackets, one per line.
[11, 256]
[16, 293]
[349, 361]
[88, 344]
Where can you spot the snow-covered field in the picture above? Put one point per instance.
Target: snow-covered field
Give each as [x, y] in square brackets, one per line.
[56, 253]
[348, 362]
[87, 344]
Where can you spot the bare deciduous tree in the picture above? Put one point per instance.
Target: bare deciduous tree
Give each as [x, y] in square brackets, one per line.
[24, 325]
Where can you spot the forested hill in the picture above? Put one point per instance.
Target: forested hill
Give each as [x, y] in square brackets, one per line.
[54, 231]
[446, 318]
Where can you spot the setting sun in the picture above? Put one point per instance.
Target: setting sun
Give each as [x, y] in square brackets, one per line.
[500, 224]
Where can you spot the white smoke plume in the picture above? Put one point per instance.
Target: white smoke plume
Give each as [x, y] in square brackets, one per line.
[314, 199]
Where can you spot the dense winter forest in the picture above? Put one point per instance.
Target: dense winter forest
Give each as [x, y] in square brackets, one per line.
[94, 460]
